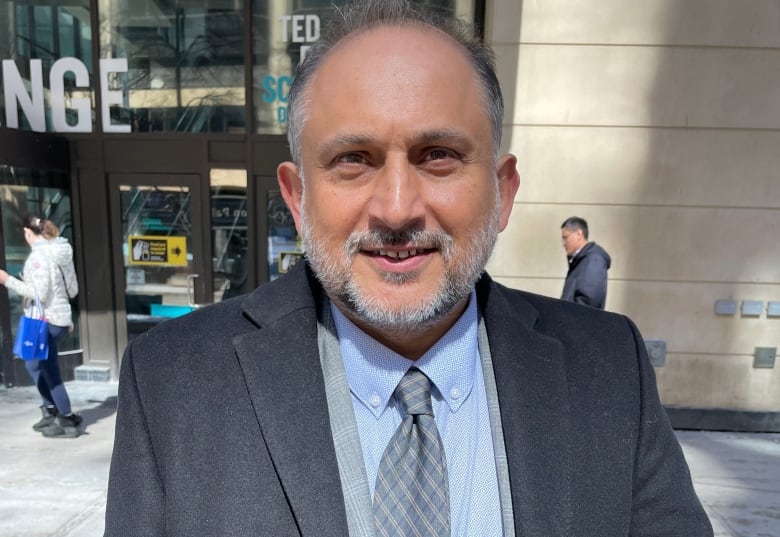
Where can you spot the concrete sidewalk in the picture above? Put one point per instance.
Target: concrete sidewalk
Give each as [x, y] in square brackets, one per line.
[737, 478]
[57, 487]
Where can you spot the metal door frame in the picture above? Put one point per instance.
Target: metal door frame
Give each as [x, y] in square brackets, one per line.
[200, 245]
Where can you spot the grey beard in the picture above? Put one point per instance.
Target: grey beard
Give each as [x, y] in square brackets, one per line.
[457, 281]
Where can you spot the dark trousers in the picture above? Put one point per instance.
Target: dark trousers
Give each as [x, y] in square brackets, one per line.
[46, 374]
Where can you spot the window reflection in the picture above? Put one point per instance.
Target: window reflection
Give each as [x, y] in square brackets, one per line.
[284, 244]
[282, 31]
[185, 63]
[229, 238]
[44, 193]
[46, 33]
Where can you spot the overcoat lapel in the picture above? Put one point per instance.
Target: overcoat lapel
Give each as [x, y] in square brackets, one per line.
[532, 391]
[284, 379]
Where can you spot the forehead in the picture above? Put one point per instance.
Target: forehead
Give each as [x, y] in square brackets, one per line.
[385, 47]
[390, 40]
[395, 66]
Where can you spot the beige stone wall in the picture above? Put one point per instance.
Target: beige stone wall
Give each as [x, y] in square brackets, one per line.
[658, 122]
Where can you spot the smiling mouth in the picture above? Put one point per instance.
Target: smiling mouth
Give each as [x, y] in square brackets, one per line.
[400, 254]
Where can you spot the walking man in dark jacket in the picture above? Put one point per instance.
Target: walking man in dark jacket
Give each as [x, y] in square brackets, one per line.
[586, 281]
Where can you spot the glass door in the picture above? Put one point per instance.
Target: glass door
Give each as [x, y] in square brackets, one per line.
[230, 234]
[46, 194]
[284, 244]
[158, 230]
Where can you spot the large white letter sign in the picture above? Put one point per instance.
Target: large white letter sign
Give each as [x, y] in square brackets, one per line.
[109, 97]
[81, 104]
[16, 92]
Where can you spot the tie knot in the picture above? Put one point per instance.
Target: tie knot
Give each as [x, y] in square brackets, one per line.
[414, 393]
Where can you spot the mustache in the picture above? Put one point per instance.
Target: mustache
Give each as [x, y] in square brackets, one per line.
[420, 239]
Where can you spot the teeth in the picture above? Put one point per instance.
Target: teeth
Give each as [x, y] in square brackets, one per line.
[398, 255]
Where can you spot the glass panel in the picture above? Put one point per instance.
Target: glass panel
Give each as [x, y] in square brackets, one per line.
[69, 34]
[43, 34]
[282, 31]
[47, 32]
[156, 240]
[21, 25]
[185, 63]
[229, 241]
[45, 194]
[284, 245]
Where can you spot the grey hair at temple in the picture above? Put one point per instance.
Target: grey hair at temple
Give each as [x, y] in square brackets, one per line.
[367, 14]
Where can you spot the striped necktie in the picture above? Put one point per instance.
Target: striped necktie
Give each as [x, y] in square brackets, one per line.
[411, 497]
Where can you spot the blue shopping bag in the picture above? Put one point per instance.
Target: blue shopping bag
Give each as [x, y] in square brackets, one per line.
[32, 336]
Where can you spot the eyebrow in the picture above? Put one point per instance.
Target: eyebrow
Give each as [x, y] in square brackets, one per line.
[347, 140]
[444, 135]
[422, 137]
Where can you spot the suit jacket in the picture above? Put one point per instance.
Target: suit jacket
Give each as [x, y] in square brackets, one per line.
[223, 428]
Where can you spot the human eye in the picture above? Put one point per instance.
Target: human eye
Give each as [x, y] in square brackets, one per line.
[350, 158]
[439, 153]
[440, 161]
[349, 165]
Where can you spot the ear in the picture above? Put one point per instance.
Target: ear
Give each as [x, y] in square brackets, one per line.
[508, 183]
[292, 189]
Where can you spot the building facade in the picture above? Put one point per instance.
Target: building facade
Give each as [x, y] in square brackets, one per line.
[659, 123]
[150, 131]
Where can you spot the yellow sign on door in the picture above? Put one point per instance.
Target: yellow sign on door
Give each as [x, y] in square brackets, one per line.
[157, 250]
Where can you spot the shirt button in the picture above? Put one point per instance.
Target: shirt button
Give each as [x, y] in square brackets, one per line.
[375, 400]
[454, 393]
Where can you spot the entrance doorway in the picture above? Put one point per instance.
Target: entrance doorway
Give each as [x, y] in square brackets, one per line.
[34, 179]
[180, 242]
[159, 250]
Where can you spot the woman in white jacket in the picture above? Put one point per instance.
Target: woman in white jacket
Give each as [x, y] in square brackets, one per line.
[49, 273]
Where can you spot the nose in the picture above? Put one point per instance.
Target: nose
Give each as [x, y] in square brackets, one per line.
[397, 197]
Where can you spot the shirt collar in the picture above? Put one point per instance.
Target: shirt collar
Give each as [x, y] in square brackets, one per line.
[373, 371]
[572, 256]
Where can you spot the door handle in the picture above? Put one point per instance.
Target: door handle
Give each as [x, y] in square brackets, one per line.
[191, 289]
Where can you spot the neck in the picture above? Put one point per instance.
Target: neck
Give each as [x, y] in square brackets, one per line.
[580, 246]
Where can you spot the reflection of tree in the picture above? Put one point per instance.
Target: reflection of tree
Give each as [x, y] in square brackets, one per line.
[146, 209]
[29, 191]
[163, 56]
[197, 111]
[25, 34]
[7, 45]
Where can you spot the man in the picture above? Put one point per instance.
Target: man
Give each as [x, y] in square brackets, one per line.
[586, 281]
[272, 415]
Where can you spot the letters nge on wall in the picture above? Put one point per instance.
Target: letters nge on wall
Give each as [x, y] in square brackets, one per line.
[33, 106]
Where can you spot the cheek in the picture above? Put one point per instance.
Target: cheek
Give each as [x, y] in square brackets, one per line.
[462, 208]
[335, 213]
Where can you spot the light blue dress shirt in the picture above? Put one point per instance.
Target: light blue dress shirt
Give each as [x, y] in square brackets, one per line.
[459, 406]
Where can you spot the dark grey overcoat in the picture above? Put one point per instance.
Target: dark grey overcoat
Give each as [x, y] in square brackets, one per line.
[223, 430]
